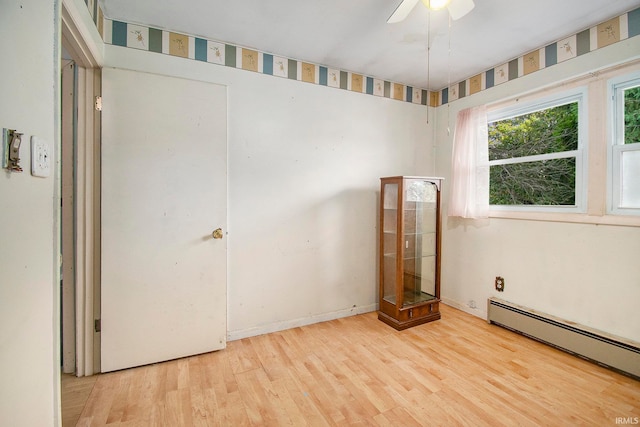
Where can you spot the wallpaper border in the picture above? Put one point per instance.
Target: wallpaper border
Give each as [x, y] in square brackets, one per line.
[167, 42]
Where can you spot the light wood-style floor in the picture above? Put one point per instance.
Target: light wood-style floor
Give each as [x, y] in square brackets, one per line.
[75, 392]
[358, 371]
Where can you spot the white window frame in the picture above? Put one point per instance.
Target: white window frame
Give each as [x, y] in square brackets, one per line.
[578, 95]
[616, 87]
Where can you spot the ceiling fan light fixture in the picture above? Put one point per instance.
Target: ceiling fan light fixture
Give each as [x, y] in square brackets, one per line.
[457, 8]
[436, 4]
[460, 8]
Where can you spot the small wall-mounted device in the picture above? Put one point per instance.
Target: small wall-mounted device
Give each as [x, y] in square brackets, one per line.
[40, 157]
[11, 140]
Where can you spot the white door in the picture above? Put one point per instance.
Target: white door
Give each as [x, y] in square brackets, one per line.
[164, 152]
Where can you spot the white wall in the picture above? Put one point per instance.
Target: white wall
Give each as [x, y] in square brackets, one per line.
[584, 273]
[304, 167]
[29, 363]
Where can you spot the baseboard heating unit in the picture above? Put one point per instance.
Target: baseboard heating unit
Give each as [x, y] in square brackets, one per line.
[613, 352]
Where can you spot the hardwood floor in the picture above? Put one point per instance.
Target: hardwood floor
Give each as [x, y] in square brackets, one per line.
[75, 392]
[358, 371]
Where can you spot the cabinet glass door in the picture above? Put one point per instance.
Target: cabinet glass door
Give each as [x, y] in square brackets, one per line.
[419, 236]
[389, 241]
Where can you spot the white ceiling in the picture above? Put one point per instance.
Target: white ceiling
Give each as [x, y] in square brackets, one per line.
[353, 35]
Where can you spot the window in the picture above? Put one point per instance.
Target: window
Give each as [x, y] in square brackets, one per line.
[536, 155]
[625, 146]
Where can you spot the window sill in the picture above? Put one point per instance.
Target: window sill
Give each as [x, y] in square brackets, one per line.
[619, 220]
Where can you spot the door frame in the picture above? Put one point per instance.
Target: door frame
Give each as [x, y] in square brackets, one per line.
[67, 215]
[79, 39]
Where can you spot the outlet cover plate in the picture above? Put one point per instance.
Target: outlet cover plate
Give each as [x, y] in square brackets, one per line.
[40, 157]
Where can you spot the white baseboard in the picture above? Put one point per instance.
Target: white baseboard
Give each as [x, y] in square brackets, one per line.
[480, 312]
[294, 323]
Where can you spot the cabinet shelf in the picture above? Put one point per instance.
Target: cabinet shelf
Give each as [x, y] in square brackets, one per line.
[414, 279]
[409, 256]
[411, 298]
[410, 233]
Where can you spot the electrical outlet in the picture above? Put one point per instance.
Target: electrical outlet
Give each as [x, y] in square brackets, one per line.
[40, 157]
[499, 284]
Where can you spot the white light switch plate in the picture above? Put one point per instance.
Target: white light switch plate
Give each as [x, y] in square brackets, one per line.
[40, 157]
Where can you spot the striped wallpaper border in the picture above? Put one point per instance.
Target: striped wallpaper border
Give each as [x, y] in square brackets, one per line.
[166, 42]
[604, 34]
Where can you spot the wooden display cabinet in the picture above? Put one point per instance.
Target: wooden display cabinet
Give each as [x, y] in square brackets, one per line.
[409, 251]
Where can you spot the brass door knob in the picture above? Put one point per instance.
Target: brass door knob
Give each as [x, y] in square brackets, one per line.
[217, 233]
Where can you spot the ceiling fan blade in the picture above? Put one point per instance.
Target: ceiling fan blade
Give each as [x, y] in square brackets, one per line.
[402, 11]
[459, 8]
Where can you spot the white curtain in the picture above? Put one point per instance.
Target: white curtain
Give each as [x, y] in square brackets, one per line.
[470, 169]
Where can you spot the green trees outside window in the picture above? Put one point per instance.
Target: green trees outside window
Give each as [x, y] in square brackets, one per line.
[536, 158]
[632, 115]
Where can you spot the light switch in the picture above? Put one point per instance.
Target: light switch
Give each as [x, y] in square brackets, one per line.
[11, 140]
[40, 157]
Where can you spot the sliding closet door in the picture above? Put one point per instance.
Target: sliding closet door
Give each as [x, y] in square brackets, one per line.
[163, 194]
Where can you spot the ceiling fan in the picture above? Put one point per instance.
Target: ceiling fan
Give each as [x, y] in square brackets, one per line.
[457, 8]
